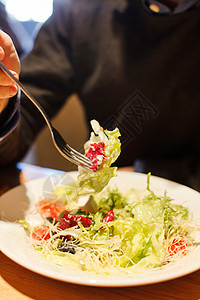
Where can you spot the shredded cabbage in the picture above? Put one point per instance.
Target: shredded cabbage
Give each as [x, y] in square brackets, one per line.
[137, 239]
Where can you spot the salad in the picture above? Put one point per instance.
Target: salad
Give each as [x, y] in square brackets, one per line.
[127, 232]
[103, 148]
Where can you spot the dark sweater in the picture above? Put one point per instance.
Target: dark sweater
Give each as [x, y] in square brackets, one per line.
[131, 69]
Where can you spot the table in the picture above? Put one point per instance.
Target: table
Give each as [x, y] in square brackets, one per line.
[18, 283]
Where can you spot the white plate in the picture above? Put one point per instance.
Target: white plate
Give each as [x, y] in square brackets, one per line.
[19, 201]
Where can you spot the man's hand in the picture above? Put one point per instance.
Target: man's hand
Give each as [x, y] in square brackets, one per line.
[9, 57]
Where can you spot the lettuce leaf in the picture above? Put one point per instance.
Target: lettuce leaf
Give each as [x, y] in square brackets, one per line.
[90, 182]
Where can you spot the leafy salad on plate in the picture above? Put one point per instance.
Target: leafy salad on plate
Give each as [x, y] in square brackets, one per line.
[127, 232]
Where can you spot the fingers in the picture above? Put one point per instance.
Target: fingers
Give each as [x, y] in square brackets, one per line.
[8, 54]
[8, 91]
[9, 57]
[8, 87]
[2, 53]
[5, 80]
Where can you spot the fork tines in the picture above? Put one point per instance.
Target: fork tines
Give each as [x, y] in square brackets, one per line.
[68, 152]
[77, 157]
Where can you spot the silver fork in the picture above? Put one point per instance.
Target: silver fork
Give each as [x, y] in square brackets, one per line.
[65, 150]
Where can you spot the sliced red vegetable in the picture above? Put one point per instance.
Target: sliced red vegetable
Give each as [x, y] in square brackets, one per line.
[96, 154]
[63, 224]
[109, 217]
[42, 233]
[178, 246]
[69, 220]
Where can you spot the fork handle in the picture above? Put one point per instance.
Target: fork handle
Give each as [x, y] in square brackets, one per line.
[27, 93]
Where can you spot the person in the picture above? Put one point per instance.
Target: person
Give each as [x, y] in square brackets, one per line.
[134, 64]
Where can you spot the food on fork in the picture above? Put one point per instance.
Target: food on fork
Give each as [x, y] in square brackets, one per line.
[103, 148]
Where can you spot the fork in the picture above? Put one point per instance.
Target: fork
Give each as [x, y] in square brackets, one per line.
[65, 150]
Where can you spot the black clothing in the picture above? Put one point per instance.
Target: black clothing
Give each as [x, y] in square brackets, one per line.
[131, 69]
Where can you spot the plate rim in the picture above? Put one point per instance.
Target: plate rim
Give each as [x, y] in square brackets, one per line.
[98, 282]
